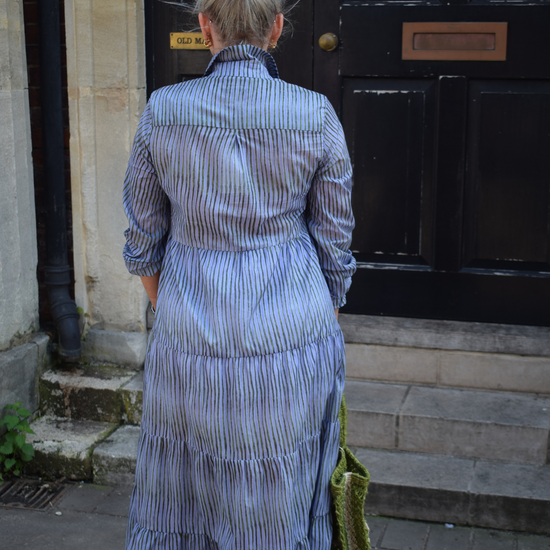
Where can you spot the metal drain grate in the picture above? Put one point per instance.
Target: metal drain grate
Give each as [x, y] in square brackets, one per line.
[33, 494]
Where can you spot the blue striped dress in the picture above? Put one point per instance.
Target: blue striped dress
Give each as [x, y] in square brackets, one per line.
[238, 190]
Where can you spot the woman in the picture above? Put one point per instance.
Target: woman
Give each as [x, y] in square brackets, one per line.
[238, 199]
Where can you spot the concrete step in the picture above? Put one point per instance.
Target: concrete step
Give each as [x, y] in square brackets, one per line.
[506, 426]
[447, 353]
[64, 447]
[461, 491]
[114, 460]
[99, 393]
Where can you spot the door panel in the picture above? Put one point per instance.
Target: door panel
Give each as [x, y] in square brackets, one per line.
[390, 127]
[508, 182]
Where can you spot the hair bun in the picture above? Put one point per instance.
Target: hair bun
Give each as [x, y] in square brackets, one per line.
[242, 21]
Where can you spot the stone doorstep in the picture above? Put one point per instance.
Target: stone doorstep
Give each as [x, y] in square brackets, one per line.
[454, 490]
[448, 368]
[99, 393]
[63, 447]
[446, 335]
[505, 426]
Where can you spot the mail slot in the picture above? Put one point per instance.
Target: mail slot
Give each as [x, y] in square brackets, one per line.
[454, 41]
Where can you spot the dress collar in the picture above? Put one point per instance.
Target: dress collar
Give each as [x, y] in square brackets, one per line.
[243, 60]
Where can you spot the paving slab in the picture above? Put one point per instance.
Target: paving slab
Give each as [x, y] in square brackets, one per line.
[35, 530]
[96, 517]
[118, 502]
[533, 542]
[405, 535]
[372, 413]
[85, 497]
[377, 527]
[493, 540]
[477, 424]
[85, 392]
[51, 532]
[445, 538]
[114, 460]
[63, 447]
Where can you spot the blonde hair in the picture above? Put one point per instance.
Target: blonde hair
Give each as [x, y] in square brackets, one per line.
[241, 21]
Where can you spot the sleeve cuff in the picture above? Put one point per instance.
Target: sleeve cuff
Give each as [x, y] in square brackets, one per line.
[338, 302]
[143, 269]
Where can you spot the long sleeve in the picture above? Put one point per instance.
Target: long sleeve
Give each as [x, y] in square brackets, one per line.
[329, 214]
[146, 206]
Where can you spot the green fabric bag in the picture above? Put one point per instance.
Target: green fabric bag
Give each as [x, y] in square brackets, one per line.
[349, 484]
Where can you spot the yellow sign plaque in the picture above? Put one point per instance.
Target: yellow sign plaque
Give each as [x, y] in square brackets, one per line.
[187, 41]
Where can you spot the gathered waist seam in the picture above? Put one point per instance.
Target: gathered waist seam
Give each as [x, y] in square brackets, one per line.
[300, 237]
[162, 342]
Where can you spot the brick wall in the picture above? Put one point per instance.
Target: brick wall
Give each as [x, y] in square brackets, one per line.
[33, 66]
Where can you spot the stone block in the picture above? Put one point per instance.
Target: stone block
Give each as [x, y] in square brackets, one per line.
[518, 514]
[460, 491]
[13, 65]
[467, 423]
[417, 486]
[372, 413]
[85, 392]
[449, 335]
[132, 400]
[125, 349]
[110, 43]
[394, 364]
[515, 495]
[495, 371]
[18, 255]
[19, 371]
[512, 480]
[106, 88]
[114, 460]
[64, 447]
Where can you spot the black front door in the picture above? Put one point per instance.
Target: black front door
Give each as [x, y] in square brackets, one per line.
[451, 149]
[451, 154]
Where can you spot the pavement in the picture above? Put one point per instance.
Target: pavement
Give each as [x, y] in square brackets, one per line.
[91, 517]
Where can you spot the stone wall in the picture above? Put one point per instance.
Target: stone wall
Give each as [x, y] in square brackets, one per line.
[22, 352]
[18, 257]
[106, 86]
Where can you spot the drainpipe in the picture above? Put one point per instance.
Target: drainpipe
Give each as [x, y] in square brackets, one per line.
[58, 272]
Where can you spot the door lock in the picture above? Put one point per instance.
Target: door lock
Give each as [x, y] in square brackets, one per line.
[328, 42]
